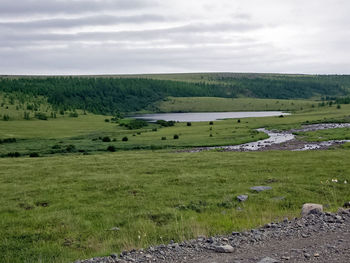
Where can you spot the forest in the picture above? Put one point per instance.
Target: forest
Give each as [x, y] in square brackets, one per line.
[109, 95]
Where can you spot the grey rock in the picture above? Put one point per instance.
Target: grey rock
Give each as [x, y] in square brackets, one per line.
[260, 188]
[308, 209]
[268, 260]
[242, 198]
[225, 249]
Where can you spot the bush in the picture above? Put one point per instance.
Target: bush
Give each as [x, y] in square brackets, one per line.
[111, 148]
[73, 114]
[176, 136]
[125, 139]
[41, 116]
[14, 154]
[165, 123]
[211, 123]
[8, 140]
[70, 148]
[189, 124]
[238, 121]
[106, 139]
[33, 155]
[134, 124]
[154, 129]
[163, 138]
[6, 117]
[106, 120]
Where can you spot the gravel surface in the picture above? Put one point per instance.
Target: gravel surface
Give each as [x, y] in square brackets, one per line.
[319, 237]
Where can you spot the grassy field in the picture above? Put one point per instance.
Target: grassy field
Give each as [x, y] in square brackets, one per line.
[60, 209]
[85, 133]
[62, 206]
[207, 104]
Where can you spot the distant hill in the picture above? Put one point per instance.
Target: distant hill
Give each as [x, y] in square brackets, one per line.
[127, 93]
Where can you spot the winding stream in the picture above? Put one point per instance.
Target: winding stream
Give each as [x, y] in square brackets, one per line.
[284, 140]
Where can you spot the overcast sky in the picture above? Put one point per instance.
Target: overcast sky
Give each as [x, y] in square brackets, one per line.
[159, 36]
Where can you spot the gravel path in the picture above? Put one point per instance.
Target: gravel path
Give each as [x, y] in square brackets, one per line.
[321, 237]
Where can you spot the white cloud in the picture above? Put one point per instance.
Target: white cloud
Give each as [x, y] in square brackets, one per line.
[134, 36]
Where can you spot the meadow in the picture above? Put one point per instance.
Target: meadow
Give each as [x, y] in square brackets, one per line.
[79, 200]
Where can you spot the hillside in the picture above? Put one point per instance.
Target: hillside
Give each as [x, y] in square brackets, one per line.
[112, 94]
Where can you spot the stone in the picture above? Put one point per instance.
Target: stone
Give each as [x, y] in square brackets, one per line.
[346, 205]
[224, 249]
[308, 209]
[242, 198]
[268, 260]
[260, 188]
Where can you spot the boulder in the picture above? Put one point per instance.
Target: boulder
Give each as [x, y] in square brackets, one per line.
[242, 198]
[225, 249]
[260, 188]
[268, 260]
[308, 209]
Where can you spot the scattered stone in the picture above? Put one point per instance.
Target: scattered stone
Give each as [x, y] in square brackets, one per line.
[316, 255]
[346, 205]
[114, 229]
[268, 260]
[307, 255]
[260, 188]
[225, 249]
[242, 198]
[308, 209]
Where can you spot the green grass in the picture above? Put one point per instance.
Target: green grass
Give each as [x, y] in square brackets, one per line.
[60, 209]
[207, 104]
[326, 135]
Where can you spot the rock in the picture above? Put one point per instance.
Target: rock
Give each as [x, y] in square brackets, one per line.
[308, 209]
[268, 260]
[316, 255]
[224, 249]
[242, 198]
[346, 205]
[260, 188]
[307, 255]
[114, 229]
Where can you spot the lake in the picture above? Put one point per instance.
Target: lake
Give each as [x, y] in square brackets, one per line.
[206, 116]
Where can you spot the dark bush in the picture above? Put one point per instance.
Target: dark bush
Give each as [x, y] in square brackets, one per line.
[135, 124]
[33, 155]
[14, 154]
[154, 129]
[189, 124]
[8, 140]
[176, 136]
[70, 148]
[111, 148]
[107, 120]
[73, 114]
[211, 123]
[56, 146]
[165, 123]
[125, 139]
[106, 139]
[163, 138]
[40, 116]
[238, 121]
[6, 117]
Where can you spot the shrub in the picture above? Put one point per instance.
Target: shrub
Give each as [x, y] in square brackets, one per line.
[8, 140]
[154, 129]
[6, 117]
[176, 136]
[165, 123]
[41, 116]
[238, 121]
[71, 148]
[73, 114]
[125, 139]
[163, 138]
[338, 106]
[33, 155]
[14, 154]
[106, 139]
[189, 124]
[106, 120]
[211, 123]
[134, 124]
[111, 148]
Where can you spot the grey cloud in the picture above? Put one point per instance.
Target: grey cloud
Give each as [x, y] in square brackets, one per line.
[34, 7]
[96, 20]
[179, 32]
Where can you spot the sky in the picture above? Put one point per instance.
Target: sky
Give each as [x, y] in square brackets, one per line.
[170, 36]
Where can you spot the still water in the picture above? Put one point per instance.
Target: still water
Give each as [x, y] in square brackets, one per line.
[207, 116]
